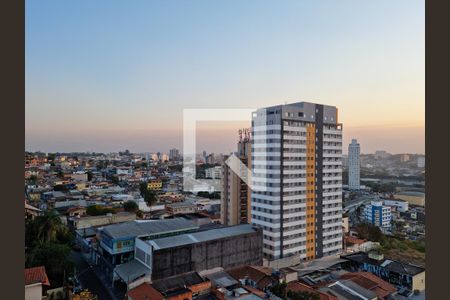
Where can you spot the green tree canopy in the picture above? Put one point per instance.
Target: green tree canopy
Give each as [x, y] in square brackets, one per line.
[130, 206]
[98, 210]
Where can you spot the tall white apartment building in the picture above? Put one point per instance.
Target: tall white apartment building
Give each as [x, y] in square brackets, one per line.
[174, 154]
[297, 159]
[214, 172]
[421, 162]
[354, 165]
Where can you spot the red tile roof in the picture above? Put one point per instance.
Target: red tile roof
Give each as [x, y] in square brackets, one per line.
[296, 286]
[36, 275]
[145, 292]
[371, 282]
[354, 240]
[260, 275]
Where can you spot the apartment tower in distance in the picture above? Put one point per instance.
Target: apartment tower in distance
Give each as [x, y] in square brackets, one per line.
[174, 154]
[297, 157]
[235, 196]
[353, 165]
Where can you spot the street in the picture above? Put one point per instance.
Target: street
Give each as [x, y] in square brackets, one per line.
[87, 277]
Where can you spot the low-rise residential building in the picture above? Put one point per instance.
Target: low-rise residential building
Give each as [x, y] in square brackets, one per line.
[345, 224]
[79, 176]
[181, 208]
[36, 281]
[31, 212]
[367, 280]
[94, 221]
[348, 290]
[400, 205]
[412, 197]
[255, 276]
[354, 244]
[405, 277]
[299, 287]
[185, 286]
[154, 185]
[214, 173]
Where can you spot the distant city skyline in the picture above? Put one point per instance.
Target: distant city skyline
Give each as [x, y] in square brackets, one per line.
[108, 76]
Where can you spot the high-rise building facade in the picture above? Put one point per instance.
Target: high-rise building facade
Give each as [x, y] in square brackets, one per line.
[174, 154]
[297, 158]
[354, 165]
[421, 162]
[235, 196]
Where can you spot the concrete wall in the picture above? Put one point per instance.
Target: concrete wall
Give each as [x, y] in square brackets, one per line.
[226, 253]
[33, 292]
[86, 222]
[283, 262]
[419, 282]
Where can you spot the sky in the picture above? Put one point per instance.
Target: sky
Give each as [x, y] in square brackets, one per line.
[109, 75]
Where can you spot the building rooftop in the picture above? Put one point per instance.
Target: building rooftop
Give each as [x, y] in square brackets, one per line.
[411, 193]
[177, 282]
[371, 282]
[221, 279]
[393, 266]
[200, 236]
[144, 292]
[180, 204]
[262, 276]
[351, 291]
[36, 275]
[296, 286]
[152, 227]
[132, 270]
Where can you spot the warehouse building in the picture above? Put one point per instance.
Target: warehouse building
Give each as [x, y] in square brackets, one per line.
[136, 252]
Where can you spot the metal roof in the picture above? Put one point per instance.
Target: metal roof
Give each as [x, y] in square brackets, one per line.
[133, 229]
[221, 279]
[132, 270]
[202, 236]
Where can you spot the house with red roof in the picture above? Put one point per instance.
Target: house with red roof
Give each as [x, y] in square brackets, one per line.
[35, 279]
[369, 281]
[299, 287]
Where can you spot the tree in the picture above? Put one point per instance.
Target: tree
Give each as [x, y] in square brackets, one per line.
[115, 180]
[60, 187]
[47, 227]
[303, 295]
[203, 194]
[55, 258]
[130, 206]
[150, 197]
[51, 156]
[143, 188]
[60, 174]
[369, 232]
[98, 210]
[33, 179]
[279, 289]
